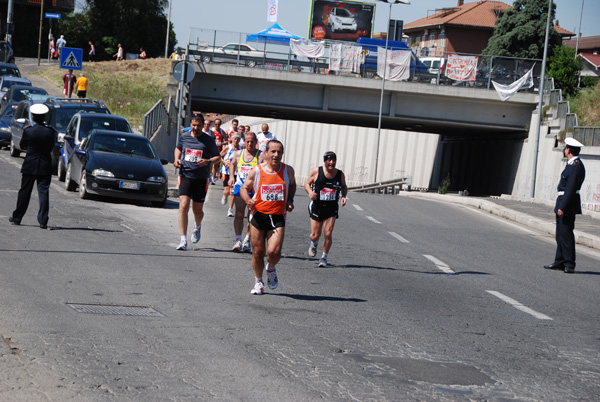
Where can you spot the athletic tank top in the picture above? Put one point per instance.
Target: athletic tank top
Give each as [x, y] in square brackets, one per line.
[244, 168]
[328, 190]
[271, 191]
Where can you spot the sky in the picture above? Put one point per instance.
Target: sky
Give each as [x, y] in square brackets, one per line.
[249, 16]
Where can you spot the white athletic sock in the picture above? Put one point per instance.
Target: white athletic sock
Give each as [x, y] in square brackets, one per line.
[314, 243]
[238, 238]
[247, 239]
[324, 255]
[258, 280]
[184, 238]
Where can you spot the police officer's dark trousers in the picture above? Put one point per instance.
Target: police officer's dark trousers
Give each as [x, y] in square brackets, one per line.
[43, 187]
[565, 240]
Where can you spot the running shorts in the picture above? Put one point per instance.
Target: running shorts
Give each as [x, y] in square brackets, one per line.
[267, 222]
[194, 188]
[236, 191]
[321, 213]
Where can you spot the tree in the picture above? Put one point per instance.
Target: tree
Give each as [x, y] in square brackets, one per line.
[521, 31]
[564, 67]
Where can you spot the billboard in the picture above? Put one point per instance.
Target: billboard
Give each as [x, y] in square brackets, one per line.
[340, 20]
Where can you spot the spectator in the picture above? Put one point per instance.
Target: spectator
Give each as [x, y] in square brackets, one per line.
[142, 54]
[119, 54]
[92, 54]
[60, 43]
[82, 83]
[70, 80]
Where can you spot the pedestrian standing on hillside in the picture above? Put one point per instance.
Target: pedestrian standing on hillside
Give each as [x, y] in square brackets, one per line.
[194, 155]
[39, 141]
[52, 48]
[70, 80]
[92, 53]
[82, 83]
[568, 204]
[60, 43]
[143, 54]
[119, 54]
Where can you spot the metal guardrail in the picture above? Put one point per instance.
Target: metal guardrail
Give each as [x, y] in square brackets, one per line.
[154, 118]
[386, 187]
[588, 136]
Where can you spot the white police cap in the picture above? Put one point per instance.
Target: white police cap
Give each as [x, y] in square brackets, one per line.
[572, 142]
[39, 108]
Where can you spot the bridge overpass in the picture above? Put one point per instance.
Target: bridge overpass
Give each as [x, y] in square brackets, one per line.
[409, 106]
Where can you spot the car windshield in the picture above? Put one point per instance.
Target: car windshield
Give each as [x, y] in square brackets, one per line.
[9, 111]
[6, 84]
[342, 12]
[123, 145]
[10, 71]
[23, 94]
[103, 122]
[62, 116]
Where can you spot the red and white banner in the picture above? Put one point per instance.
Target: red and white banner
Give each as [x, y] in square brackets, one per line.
[461, 68]
[397, 67]
[272, 11]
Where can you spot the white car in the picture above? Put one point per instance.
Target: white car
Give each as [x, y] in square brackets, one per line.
[232, 50]
[341, 19]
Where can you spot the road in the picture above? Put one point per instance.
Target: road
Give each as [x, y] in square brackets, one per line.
[423, 301]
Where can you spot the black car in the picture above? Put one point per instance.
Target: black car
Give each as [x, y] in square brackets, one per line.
[61, 112]
[6, 52]
[5, 120]
[81, 124]
[120, 165]
[9, 69]
[17, 93]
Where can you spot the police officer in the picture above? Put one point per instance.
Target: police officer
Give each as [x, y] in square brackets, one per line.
[568, 204]
[39, 141]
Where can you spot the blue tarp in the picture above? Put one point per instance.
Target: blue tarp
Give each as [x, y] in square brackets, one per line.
[275, 35]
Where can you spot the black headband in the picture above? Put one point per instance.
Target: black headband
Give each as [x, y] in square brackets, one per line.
[329, 156]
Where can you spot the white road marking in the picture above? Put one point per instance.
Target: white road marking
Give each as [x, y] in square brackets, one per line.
[358, 208]
[518, 305]
[373, 219]
[127, 227]
[442, 266]
[398, 237]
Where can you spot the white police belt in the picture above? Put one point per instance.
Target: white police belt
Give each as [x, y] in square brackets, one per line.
[563, 193]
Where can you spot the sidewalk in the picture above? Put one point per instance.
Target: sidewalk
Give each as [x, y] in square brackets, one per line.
[535, 214]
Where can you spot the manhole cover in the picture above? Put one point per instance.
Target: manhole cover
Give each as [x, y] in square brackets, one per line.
[115, 310]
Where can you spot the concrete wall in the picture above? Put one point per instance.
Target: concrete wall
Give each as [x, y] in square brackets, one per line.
[164, 142]
[402, 153]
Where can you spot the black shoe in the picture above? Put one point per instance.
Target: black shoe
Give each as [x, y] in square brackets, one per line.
[569, 270]
[14, 221]
[43, 226]
[554, 265]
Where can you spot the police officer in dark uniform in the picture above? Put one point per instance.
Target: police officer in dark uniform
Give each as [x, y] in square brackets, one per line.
[568, 204]
[38, 140]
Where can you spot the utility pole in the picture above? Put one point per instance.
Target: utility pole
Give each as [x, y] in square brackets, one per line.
[9, 21]
[168, 32]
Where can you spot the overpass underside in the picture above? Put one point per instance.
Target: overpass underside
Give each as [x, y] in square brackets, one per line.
[408, 106]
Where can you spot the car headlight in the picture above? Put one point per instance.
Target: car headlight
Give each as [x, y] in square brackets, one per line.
[102, 173]
[157, 179]
[5, 129]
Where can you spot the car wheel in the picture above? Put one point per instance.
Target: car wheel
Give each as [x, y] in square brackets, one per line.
[159, 204]
[61, 169]
[69, 183]
[83, 194]
[251, 63]
[14, 151]
[206, 59]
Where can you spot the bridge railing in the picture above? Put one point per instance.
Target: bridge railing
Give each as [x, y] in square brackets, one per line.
[208, 46]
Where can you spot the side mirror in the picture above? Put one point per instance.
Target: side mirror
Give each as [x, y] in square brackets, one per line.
[22, 120]
[68, 137]
[164, 161]
[79, 151]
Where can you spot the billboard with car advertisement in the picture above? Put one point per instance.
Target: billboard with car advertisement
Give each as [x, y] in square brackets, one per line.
[341, 20]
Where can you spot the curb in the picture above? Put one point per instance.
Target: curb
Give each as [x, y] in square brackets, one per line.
[529, 221]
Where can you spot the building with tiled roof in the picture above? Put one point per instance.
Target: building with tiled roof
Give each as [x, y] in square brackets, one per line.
[465, 28]
[589, 50]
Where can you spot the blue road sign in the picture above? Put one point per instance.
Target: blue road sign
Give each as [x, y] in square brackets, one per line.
[52, 15]
[71, 58]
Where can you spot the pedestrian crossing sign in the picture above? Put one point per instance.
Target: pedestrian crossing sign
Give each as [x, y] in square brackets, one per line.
[71, 58]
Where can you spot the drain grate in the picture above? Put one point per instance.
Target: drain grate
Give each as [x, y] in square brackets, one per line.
[115, 310]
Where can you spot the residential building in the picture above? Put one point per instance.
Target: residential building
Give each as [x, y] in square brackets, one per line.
[589, 50]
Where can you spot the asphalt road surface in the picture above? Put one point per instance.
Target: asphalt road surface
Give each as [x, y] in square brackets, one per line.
[422, 301]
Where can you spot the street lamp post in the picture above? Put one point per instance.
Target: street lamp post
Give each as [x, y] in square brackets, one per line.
[168, 32]
[387, 39]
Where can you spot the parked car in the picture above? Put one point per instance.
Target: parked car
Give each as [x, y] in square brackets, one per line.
[81, 124]
[9, 69]
[229, 53]
[17, 93]
[120, 165]
[434, 64]
[61, 112]
[7, 81]
[340, 19]
[5, 120]
[6, 52]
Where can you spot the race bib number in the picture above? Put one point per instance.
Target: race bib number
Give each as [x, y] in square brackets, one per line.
[271, 192]
[327, 194]
[245, 171]
[193, 155]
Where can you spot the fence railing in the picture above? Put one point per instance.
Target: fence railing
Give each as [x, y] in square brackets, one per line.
[588, 136]
[156, 117]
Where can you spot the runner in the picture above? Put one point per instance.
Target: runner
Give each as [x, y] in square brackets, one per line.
[274, 187]
[243, 162]
[221, 138]
[324, 187]
[226, 155]
[199, 151]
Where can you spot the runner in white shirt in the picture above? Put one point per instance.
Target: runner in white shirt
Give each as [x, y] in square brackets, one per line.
[264, 137]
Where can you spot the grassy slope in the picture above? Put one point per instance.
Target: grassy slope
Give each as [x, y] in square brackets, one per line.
[129, 88]
[587, 106]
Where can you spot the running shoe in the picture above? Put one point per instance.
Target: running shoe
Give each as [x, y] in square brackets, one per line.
[258, 288]
[237, 247]
[182, 245]
[196, 234]
[230, 213]
[312, 250]
[223, 200]
[246, 248]
[323, 262]
[272, 278]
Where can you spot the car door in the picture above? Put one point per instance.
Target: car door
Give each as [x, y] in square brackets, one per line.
[79, 158]
[18, 123]
[69, 144]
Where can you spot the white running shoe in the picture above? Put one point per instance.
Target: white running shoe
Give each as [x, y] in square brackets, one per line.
[182, 245]
[237, 247]
[230, 213]
[258, 288]
[246, 248]
[196, 234]
[312, 250]
[272, 278]
[223, 200]
[323, 262]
